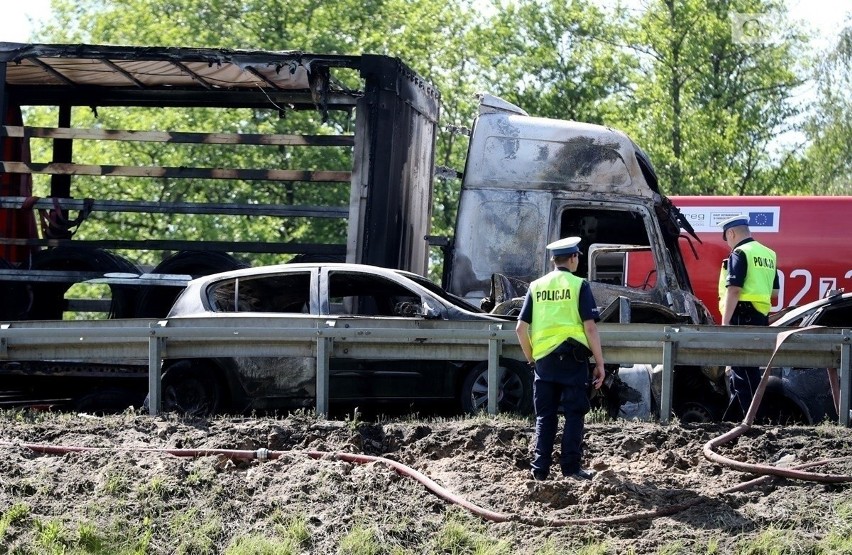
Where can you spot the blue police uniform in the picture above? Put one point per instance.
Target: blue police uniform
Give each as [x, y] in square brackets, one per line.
[744, 379]
[754, 302]
[561, 379]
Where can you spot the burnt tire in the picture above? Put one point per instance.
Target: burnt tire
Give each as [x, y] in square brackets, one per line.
[514, 394]
[778, 407]
[15, 297]
[49, 298]
[191, 388]
[694, 412]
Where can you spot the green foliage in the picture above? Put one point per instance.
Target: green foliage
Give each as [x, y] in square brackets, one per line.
[839, 540]
[90, 539]
[709, 104]
[829, 155]
[360, 541]
[557, 59]
[52, 536]
[291, 536]
[198, 532]
[295, 529]
[261, 545]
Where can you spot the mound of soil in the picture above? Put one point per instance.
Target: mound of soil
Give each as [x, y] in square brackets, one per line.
[210, 503]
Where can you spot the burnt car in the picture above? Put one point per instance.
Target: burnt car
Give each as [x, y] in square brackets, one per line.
[332, 291]
[805, 394]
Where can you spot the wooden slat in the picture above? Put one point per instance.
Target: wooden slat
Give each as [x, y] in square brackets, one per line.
[207, 246]
[57, 168]
[230, 209]
[176, 137]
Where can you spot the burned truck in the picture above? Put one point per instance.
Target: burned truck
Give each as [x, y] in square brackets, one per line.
[235, 158]
[318, 158]
[529, 181]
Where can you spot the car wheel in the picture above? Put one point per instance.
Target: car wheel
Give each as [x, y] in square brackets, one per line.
[695, 413]
[513, 395]
[778, 407]
[191, 388]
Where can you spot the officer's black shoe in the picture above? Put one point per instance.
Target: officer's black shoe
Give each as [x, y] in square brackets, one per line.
[581, 474]
[538, 475]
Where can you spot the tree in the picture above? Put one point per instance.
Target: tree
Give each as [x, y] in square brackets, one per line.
[556, 58]
[711, 98]
[829, 129]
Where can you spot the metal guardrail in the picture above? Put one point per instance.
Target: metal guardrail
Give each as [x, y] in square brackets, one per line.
[152, 341]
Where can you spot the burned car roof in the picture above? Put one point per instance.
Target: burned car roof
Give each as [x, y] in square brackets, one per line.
[832, 311]
[367, 280]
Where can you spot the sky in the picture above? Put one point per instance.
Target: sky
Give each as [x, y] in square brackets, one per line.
[15, 24]
[826, 17]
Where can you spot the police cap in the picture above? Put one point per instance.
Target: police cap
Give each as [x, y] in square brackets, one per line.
[734, 221]
[564, 247]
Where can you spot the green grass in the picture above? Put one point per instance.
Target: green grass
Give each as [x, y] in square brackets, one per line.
[261, 545]
[116, 485]
[11, 516]
[291, 536]
[462, 534]
[360, 541]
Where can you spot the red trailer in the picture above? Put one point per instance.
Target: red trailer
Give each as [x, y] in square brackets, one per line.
[812, 237]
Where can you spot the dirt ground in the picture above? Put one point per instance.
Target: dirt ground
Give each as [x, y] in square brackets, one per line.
[205, 504]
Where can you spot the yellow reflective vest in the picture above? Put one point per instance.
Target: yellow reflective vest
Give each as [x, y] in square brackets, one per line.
[760, 277]
[556, 312]
[723, 286]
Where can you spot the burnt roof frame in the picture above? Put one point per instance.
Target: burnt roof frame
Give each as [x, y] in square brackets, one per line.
[266, 94]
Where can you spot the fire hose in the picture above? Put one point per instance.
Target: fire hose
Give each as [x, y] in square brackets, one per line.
[763, 469]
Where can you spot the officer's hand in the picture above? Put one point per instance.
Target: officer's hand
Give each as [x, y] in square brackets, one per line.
[598, 376]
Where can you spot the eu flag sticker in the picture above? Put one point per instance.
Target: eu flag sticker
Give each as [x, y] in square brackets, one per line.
[761, 219]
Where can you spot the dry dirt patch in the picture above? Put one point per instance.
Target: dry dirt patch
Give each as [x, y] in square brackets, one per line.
[641, 467]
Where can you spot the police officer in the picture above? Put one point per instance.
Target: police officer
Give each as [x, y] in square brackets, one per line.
[748, 284]
[557, 331]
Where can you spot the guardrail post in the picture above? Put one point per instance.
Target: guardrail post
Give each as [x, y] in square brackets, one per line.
[495, 348]
[668, 374]
[624, 310]
[156, 348]
[845, 377]
[323, 353]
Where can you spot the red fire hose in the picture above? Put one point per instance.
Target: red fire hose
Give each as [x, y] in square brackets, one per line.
[764, 469]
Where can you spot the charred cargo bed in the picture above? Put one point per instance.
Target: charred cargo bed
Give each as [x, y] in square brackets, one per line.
[106, 387]
[293, 155]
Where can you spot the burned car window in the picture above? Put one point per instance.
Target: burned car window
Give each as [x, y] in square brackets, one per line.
[277, 293]
[615, 243]
[838, 315]
[358, 294]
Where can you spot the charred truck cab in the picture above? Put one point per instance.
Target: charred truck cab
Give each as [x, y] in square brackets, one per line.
[529, 181]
